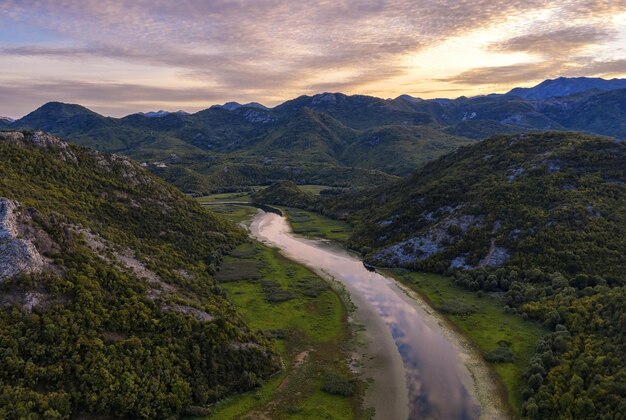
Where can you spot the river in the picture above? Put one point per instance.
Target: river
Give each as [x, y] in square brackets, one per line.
[420, 370]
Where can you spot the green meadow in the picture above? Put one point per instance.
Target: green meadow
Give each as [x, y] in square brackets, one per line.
[306, 319]
[314, 225]
[234, 212]
[245, 196]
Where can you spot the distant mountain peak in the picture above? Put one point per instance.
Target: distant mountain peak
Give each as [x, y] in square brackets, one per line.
[566, 86]
[232, 106]
[255, 105]
[325, 98]
[53, 115]
[160, 113]
[65, 108]
[409, 98]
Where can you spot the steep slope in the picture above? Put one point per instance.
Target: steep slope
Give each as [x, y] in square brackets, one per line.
[107, 302]
[564, 86]
[550, 200]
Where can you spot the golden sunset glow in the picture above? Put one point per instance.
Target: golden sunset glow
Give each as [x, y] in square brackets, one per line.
[119, 57]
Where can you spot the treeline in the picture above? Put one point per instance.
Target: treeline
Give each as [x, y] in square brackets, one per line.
[237, 174]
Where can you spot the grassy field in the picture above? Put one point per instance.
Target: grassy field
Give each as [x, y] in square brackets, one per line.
[307, 321]
[306, 223]
[314, 189]
[233, 212]
[485, 323]
[234, 196]
[245, 195]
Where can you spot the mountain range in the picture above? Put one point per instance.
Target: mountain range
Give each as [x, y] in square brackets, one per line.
[329, 138]
[564, 86]
[109, 304]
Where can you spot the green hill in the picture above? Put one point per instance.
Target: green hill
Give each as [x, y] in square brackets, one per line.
[285, 193]
[549, 200]
[108, 306]
[535, 220]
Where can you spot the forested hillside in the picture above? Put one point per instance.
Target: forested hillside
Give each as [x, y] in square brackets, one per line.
[232, 148]
[107, 301]
[551, 200]
[538, 219]
[321, 139]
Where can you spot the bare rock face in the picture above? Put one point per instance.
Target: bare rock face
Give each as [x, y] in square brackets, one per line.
[17, 255]
[435, 240]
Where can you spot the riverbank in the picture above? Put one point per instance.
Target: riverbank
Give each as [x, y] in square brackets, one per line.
[482, 330]
[484, 325]
[491, 395]
[374, 354]
[471, 334]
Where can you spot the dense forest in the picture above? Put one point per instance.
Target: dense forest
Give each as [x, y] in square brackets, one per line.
[115, 311]
[538, 219]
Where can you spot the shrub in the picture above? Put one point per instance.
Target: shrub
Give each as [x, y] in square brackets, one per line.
[501, 354]
[338, 385]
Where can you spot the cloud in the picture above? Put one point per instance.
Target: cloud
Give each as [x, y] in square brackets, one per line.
[520, 73]
[606, 68]
[505, 74]
[272, 49]
[559, 54]
[556, 43]
[109, 98]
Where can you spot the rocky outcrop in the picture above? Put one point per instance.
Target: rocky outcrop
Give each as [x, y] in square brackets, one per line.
[17, 255]
[409, 251]
[42, 140]
[435, 240]
[201, 316]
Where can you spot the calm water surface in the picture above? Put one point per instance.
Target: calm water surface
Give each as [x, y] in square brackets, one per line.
[439, 385]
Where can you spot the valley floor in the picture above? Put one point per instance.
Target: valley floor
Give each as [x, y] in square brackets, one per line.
[307, 322]
[486, 325]
[310, 353]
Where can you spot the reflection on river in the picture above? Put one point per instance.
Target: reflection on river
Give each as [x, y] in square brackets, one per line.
[439, 385]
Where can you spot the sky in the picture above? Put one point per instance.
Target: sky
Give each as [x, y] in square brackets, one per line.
[121, 57]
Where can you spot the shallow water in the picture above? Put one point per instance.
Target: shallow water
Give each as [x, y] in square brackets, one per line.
[438, 385]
